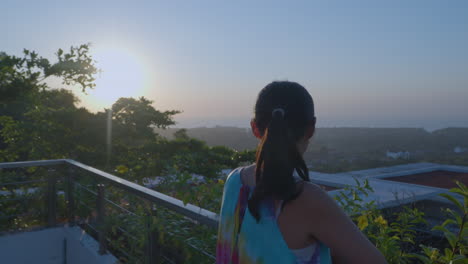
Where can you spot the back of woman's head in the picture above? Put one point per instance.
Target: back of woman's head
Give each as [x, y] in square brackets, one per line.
[284, 112]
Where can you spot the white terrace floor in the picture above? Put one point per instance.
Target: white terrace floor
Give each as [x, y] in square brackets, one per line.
[52, 246]
[389, 193]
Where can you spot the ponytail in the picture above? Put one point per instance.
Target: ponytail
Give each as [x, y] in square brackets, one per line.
[276, 160]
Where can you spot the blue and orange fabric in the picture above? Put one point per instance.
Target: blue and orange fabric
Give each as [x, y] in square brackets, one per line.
[242, 240]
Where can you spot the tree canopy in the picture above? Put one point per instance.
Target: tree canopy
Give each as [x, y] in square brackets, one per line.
[38, 122]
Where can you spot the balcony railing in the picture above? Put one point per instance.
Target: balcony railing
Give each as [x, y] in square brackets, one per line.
[136, 224]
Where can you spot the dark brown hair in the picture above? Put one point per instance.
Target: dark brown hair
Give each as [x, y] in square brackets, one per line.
[283, 112]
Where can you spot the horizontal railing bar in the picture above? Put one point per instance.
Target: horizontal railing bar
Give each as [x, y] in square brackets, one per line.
[127, 233]
[187, 242]
[18, 199]
[167, 259]
[8, 216]
[35, 163]
[107, 200]
[85, 205]
[122, 208]
[22, 215]
[120, 228]
[197, 213]
[85, 188]
[21, 182]
[110, 241]
[90, 226]
[119, 249]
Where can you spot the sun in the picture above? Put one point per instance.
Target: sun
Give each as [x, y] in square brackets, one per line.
[123, 74]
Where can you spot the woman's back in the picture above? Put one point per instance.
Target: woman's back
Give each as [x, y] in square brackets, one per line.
[257, 242]
[249, 230]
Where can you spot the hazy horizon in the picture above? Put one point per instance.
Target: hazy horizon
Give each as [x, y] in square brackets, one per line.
[366, 63]
[200, 123]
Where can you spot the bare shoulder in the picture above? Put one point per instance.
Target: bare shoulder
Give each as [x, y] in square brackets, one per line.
[324, 220]
[310, 188]
[318, 209]
[314, 196]
[313, 205]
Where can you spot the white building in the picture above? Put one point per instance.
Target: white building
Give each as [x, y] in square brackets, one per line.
[398, 155]
[459, 149]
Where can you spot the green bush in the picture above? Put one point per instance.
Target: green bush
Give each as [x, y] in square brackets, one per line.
[396, 239]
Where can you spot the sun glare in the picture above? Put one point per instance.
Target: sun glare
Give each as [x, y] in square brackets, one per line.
[123, 75]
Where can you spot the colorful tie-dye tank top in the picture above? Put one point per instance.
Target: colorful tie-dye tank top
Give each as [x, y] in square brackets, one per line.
[260, 242]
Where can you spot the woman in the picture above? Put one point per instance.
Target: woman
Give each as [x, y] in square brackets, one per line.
[271, 212]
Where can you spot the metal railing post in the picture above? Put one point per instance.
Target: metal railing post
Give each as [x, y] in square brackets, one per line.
[51, 199]
[101, 214]
[153, 249]
[70, 199]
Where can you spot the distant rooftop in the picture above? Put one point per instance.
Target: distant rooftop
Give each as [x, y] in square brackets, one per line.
[438, 178]
[390, 192]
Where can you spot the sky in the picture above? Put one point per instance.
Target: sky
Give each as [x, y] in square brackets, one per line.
[365, 63]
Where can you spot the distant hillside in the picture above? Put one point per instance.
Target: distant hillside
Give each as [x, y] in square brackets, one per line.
[451, 136]
[232, 137]
[372, 139]
[345, 140]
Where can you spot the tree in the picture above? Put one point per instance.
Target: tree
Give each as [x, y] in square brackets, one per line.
[37, 122]
[181, 134]
[22, 78]
[134, 120]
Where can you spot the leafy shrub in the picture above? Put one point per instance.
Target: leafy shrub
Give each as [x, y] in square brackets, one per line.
[396, 239]
[458, 240]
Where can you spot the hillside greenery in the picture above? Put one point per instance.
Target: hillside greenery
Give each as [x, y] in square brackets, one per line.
[344, 149]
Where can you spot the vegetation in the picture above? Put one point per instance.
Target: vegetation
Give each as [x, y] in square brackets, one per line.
[344, 149]
[396, 234]
[37, 122]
